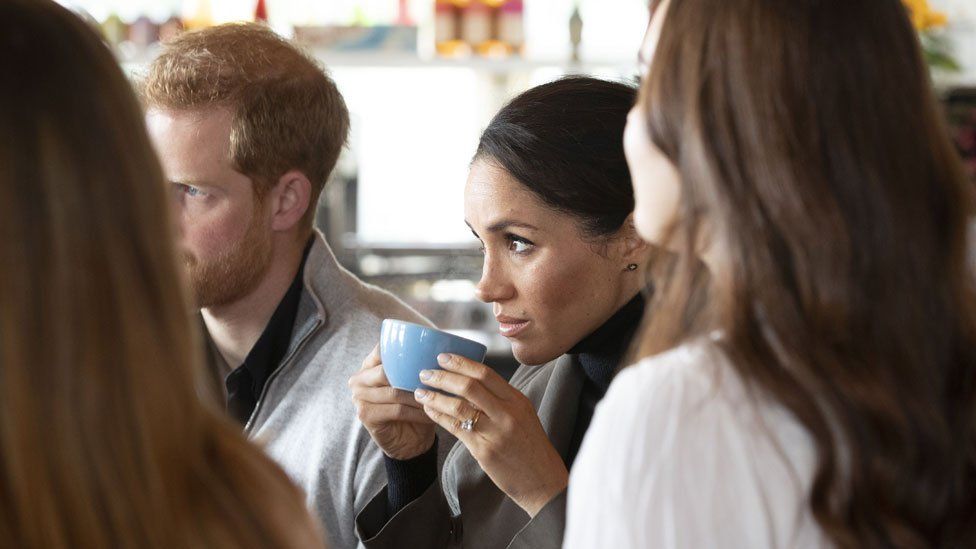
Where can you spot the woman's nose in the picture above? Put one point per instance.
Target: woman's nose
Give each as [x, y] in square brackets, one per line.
[495, 284]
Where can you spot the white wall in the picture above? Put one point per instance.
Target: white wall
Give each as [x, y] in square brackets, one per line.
[962, 29]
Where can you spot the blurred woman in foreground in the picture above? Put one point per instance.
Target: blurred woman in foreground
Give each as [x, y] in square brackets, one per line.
[103, 437]
[826, 392]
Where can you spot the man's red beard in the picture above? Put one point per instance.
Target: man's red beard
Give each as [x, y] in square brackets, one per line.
[234, 273]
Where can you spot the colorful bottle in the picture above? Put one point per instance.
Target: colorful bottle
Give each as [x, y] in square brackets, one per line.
[114, 29]
[143, 32]
[447, 30]
[403, 14]
[170, 29]
[575, 32]
[198, 16]
[511, 30]
[476, 24]
[261, 12]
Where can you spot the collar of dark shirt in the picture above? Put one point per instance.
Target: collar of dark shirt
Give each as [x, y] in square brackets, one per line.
[600, 352]
[246, 382]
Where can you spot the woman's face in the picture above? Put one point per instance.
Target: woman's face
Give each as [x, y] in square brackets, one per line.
[657, 186]
[550, 288]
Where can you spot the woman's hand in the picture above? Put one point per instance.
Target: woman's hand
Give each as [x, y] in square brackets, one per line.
[393, 418]
[506, 436]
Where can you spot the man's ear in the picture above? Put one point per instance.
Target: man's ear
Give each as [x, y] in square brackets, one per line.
[291, 197]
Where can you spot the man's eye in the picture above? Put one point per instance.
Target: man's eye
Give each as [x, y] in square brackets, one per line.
[190, 191]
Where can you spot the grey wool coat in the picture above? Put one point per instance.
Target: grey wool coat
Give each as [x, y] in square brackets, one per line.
[464, 508]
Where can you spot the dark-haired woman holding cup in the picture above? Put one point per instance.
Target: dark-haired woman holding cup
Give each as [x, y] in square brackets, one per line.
[549, 197]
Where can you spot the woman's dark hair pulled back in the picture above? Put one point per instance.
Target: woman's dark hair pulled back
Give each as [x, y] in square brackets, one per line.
[564, 141]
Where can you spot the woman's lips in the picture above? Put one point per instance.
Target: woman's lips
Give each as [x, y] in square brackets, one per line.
[511, 327]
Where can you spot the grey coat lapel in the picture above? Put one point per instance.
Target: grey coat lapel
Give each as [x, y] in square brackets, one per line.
[489, 517]
[560, 403]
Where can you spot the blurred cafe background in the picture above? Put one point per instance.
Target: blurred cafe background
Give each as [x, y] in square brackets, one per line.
[423, 77]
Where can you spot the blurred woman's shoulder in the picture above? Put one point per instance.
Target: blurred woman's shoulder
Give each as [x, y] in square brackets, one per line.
[696, 384]
[697, 368]
[680, 435]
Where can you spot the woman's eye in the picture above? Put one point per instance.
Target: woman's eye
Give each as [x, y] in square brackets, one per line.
[519, 245]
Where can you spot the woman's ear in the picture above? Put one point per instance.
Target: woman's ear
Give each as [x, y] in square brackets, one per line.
[632, 249]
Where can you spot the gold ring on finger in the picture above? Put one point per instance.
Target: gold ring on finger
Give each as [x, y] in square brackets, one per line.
[468, 424]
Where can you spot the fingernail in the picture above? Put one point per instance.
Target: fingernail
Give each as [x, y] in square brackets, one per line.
[443, 358]
[425, 374]
[420, 394]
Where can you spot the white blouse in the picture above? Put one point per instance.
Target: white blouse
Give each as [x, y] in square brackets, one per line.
[678, 455]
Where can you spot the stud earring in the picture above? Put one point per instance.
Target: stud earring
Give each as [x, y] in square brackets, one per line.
[632, 267]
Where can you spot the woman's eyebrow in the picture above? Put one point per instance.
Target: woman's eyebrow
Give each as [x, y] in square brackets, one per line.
[503, 224]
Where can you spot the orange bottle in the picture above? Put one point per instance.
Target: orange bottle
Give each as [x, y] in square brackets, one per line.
[197, 15]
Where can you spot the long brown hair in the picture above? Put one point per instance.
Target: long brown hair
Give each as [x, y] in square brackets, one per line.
[814, 158]
[104, 440]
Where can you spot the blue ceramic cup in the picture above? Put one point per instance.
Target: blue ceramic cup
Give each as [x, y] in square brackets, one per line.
[407, 348]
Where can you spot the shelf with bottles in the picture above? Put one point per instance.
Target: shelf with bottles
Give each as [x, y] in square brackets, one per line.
[483, 64]
[488, 36]
[136, 61]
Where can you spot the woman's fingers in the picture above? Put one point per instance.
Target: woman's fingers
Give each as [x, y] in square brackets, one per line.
[371, 377]
[468, 388]
[452, 425]
[448, 409]
[371, 372]
[372, 359]
[448, 423]
[476, 370]
[375, 414]
[384, 395]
